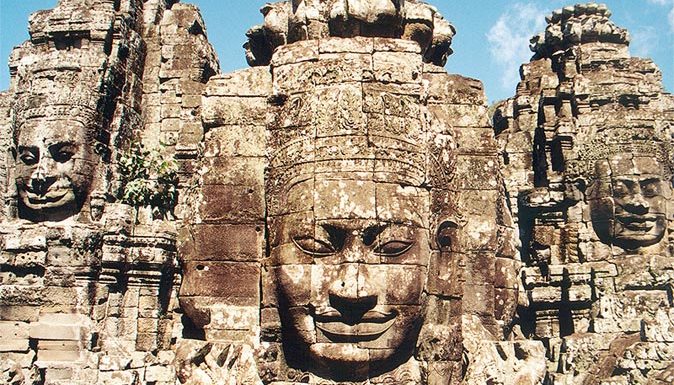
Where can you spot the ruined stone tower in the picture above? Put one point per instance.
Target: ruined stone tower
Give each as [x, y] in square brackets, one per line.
[341, 212]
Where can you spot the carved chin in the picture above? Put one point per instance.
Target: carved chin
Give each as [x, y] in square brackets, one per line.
[339, 353]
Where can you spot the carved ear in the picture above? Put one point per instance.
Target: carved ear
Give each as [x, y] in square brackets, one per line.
[446, 235]
[580, 184]
[103, 151]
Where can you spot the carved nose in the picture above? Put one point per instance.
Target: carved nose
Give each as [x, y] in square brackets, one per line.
[41, 185]
[352, 309]
[637, 204]
[40, 180]
[348, 294]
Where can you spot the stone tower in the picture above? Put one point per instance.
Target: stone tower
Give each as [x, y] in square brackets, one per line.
[341, 212]
[587, 160]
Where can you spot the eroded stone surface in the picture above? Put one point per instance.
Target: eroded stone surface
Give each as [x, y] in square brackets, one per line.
[345, 213]
[587, 160]
[88, 284]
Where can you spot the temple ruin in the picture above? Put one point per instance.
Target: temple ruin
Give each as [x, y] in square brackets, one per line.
[343, 211]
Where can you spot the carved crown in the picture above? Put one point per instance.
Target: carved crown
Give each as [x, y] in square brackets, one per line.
[620, 141]
[77, 102]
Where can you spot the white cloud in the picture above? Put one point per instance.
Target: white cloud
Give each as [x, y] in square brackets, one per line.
[644, 41]
[670, 16]
[509, 39]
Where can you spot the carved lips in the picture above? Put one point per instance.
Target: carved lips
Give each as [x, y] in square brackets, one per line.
[369, 326]
[641, 223]
[48, 197]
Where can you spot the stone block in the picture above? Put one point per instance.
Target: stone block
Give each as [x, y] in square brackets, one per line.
[476, 172]
[234, 318]
[300, 51]
[235, 141]
[228, 203]
[227, 242]
[455, 89]
[160, 373]
[58, 332]
[238, 171]
[479, 300]
[232, 283]
[225, 110]
[397, 67]
[19, 313]
[355, 45]
[445, 276]
[462, 115]
[249, 82]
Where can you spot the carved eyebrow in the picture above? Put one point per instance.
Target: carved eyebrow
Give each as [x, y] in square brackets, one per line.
[371, 233]
[62, 144]
[26, 148]
[336, 234]
[651, 180]
[627, 181]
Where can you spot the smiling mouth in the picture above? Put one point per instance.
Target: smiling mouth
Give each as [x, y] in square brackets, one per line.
[638, 222]
[49, 197]
[368, 327]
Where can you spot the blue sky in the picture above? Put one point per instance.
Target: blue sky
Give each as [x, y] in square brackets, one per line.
[491, 43]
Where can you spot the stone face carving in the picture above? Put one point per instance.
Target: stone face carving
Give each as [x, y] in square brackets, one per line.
[587, 162]
[628, 200]
[351, 242]
[343, 211]
[382, 240]
[55, 158]
[360, 319]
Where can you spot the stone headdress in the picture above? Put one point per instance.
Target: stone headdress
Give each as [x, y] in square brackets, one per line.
[620, 141]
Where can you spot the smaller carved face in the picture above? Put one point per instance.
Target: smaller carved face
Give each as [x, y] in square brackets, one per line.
[629, 201]
[351, 273]
[54, 167]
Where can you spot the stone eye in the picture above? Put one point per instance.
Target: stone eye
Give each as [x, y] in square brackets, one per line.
[650, 190]
[28, 158]
[620, 190]
[314, 247]
[61, 153]
[393, 248]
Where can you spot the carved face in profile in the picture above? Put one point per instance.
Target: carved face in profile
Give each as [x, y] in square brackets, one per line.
[351, 261]
[54, 168]
[628, 201]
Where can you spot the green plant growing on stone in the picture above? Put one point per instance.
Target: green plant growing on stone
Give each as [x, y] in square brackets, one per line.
[148, 179]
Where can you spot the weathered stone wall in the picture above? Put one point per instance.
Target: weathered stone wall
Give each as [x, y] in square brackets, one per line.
[344, 211]
[586, 156]
[92, 297]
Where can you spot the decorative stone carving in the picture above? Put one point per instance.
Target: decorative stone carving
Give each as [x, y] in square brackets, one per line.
[341, 213]
[56, 161]
[587, 161]
[350, 242]
[378, 249]
[292, 21]
[628, 191]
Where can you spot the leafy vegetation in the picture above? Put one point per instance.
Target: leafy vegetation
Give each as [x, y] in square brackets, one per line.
[148, 179]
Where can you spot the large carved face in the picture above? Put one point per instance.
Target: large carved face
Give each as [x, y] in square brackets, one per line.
[628, 201]
[351, 264]
[54, 168]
